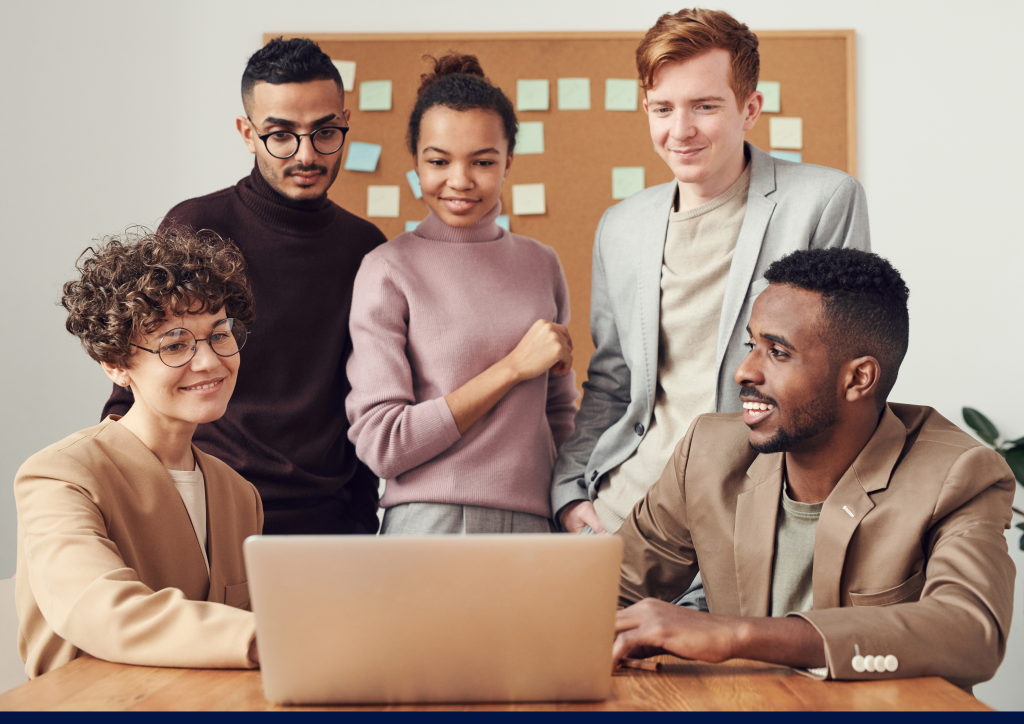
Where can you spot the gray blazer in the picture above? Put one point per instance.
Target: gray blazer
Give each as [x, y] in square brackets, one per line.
[790, 206]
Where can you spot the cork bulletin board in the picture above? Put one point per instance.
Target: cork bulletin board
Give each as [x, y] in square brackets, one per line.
[815, 70]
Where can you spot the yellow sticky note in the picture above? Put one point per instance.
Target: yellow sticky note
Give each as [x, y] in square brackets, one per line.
[574, 94]
[530, 137]
[382, 201]
[532, 95]
[375, 95]
[772, 92]
[347, 68]
[626, 181]
[620, 94]
[786, 132]
[528, 199]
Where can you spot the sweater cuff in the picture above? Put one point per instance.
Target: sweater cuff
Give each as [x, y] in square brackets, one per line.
[448, 427]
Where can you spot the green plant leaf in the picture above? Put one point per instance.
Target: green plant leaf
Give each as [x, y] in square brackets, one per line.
[981, 425]
[1019, 442]
[1022, 542]
[1015, 459]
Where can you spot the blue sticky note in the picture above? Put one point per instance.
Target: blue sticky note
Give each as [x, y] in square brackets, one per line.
[414, 184]
[532, 95]
[411, 225]
[375, 95]
[620, 94]
[626, 181]
[772, 91]
[502, 221]
[574, 94]
[794, 156]
[530, 137]
[362, 156]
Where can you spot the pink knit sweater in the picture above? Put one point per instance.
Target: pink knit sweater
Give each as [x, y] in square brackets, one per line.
[431, 310]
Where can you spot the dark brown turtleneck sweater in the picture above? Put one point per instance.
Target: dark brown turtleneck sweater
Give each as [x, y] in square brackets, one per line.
[285, 429]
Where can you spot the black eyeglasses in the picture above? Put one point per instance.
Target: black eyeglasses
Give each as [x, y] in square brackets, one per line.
[178, 347]
[285, 144]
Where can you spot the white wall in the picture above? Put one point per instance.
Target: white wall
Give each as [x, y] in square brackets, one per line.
[113, 111]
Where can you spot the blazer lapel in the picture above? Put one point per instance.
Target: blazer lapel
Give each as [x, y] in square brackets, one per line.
[748, 246]
[757, 507]
[847, 505]
[653, 232]
[214, 505]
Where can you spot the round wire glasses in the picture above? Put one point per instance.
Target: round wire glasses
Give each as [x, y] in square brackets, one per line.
[178, 347]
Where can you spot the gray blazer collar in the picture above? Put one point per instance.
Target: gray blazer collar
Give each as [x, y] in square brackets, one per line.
[748, 246]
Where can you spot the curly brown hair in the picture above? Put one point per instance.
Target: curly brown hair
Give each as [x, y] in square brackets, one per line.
[131, 283]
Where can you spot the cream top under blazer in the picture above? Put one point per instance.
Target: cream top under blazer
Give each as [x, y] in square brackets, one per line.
[109, 563]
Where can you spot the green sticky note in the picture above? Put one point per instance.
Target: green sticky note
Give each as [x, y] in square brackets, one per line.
[502, 221]
[375, 95]
[772, 91]
[530, 137]
[794, 156]
[620, 94]
[411, 226]
[532, 95]
[574, 94]
[626, 181]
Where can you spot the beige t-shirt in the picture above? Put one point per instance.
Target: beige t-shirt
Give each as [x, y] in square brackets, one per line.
[793, 566]
[695, 267]
[191, 487]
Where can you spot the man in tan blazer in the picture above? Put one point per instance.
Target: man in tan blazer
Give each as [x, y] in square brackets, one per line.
[834, 532]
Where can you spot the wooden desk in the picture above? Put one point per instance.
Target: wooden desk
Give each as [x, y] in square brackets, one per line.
[92, 684]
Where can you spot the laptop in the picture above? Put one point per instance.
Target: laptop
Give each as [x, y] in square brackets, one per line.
[420, 619]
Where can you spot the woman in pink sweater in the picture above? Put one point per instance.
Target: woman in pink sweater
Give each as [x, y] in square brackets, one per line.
[461, 369]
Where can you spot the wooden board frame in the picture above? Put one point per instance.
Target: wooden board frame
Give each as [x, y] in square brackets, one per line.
[817, 69]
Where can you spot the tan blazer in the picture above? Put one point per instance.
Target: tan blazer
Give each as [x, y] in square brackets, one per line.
[109, 563]
[917, 569]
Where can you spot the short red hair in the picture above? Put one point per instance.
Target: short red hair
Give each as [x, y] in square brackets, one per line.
[678, 37]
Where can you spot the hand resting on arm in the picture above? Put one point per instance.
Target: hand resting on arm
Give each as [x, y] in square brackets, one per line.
[546, 346]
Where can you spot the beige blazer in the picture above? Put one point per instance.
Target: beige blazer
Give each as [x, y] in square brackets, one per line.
[909, 554]
[109, 563]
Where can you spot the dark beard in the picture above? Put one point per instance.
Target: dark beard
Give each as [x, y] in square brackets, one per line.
[808, 423]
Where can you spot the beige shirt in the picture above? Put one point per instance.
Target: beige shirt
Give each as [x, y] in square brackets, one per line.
[695, 267]
[192, 489]
[793, 566]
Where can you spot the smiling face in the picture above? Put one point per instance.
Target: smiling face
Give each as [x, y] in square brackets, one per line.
[696, 124]
[789, 385]
[194, 393]
[299, 108]
[462, 160]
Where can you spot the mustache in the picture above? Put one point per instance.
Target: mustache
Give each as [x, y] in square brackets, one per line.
[301, 168]
[751, 393]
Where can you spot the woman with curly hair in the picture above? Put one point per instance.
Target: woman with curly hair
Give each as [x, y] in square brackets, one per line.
[129, 537]
[461, 369]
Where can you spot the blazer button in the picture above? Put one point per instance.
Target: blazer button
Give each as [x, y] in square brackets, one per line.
[891, 663]
[638, 429]
[869, 663]
[593, 476]
[880, 664]
[858, 664]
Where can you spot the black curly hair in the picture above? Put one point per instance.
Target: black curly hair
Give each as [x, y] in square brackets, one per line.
[129, 284]
[863, 308]
[458, 82]
[297, 60]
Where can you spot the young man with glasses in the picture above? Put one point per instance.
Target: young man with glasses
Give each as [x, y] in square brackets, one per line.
[677, 267]
[285, 429]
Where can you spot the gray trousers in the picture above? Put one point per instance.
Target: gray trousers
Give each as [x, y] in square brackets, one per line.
[451, 519]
